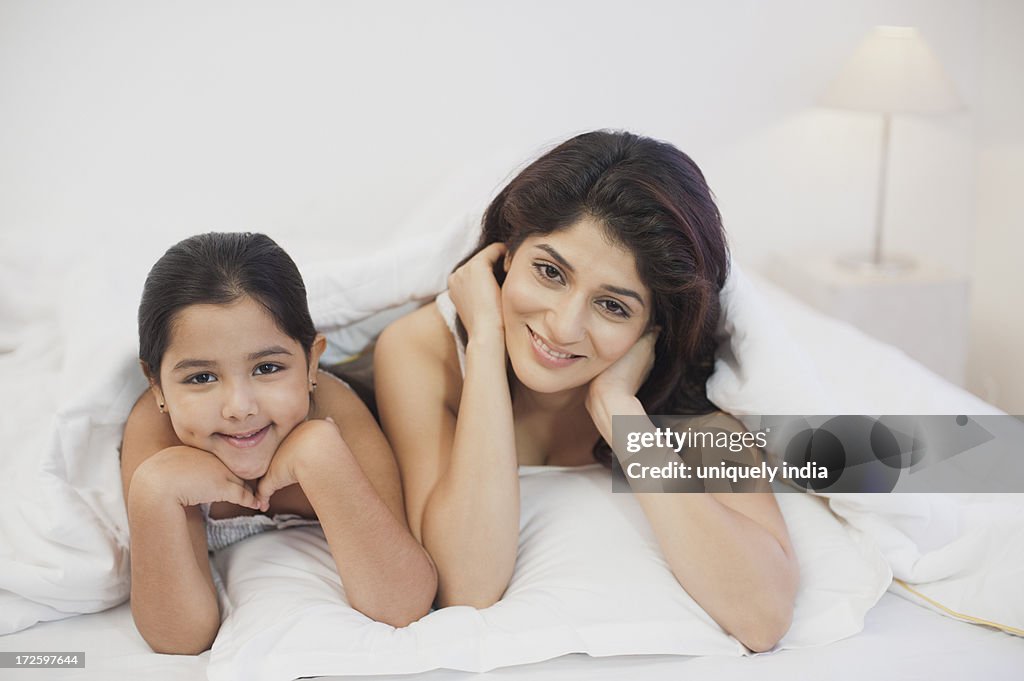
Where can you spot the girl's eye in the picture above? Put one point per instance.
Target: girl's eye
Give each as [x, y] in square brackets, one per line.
[201, 379]
[548, 272]
[264, 369]
[615, 307]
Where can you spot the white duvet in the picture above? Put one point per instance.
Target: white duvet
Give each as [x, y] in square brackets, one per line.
[959, 554]
[70, 377]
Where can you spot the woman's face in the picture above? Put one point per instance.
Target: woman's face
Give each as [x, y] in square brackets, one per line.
[573, 304]
[234, 384]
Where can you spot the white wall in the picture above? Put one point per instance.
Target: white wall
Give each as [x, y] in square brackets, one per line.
[997, 322]
[126, 125]
[315, 117]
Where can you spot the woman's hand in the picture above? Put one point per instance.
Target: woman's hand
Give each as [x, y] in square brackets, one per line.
[627, 374]
[191, 477]
[306, 442]
[476, 293]
[613, 391]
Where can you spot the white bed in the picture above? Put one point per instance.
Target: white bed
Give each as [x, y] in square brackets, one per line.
[900, 639]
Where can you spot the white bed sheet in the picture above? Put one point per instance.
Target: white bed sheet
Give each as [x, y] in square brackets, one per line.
[900, 640]
[113, 650]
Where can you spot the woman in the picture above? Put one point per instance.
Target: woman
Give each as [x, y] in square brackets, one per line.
[593, 292]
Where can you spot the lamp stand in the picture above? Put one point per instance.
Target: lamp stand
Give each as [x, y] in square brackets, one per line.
[875, 262]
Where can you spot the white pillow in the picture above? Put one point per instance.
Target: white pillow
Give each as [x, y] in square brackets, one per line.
[759, 367]
[589, 578]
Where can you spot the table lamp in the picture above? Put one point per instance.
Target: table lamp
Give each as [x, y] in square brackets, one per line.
[893, 71]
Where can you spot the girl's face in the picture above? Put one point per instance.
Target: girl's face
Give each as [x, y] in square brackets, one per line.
[573, 304]
[234, 384]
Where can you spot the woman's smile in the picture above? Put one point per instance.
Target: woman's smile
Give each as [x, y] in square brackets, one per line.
[548, 355]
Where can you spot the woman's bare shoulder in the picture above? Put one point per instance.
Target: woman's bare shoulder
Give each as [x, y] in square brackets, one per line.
[420, 345]
[423, 332]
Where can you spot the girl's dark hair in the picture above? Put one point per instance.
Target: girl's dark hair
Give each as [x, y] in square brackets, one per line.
[219, 268]
[653, 200]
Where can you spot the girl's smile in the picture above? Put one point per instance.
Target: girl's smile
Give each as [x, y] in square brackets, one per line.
[245, 440]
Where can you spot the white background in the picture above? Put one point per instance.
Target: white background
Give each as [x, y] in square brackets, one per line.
[125, 126]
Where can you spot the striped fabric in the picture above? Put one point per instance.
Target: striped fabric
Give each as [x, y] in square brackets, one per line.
[221, 532]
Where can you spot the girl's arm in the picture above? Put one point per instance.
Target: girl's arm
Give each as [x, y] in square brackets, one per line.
[347, 472]
[730, 551]
[460, 472]
[173, 599]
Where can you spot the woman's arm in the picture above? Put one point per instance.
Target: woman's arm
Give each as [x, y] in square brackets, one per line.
[347, 472]
[730, 551]
[173, 599]
[455, 445]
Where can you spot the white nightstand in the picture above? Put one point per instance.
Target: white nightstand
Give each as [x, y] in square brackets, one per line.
[922, 311]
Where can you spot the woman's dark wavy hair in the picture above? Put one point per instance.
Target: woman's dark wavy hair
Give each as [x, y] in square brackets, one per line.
[219, 268]
[653, 200]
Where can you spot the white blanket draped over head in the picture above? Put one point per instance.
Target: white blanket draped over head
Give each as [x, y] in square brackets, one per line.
[70, 377]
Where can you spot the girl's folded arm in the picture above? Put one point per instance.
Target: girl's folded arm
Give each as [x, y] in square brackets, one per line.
[173, 599]
[351, 480]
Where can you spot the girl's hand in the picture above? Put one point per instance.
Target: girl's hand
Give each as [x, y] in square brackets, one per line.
[303, 446]
[476, 293]
[191, 477]
[627, 374]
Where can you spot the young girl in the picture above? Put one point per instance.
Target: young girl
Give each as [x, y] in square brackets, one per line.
[240, 432]
[594, 291]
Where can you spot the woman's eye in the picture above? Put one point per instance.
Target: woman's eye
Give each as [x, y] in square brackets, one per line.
[266, 369]
[548, 271]
[201, 379]
[615, 307]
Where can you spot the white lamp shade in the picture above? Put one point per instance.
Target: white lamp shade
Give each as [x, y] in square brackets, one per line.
[893, 71]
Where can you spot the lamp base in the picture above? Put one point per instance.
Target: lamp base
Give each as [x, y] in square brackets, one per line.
[869, 264]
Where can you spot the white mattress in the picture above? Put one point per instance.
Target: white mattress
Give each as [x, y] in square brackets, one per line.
[900, 640]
